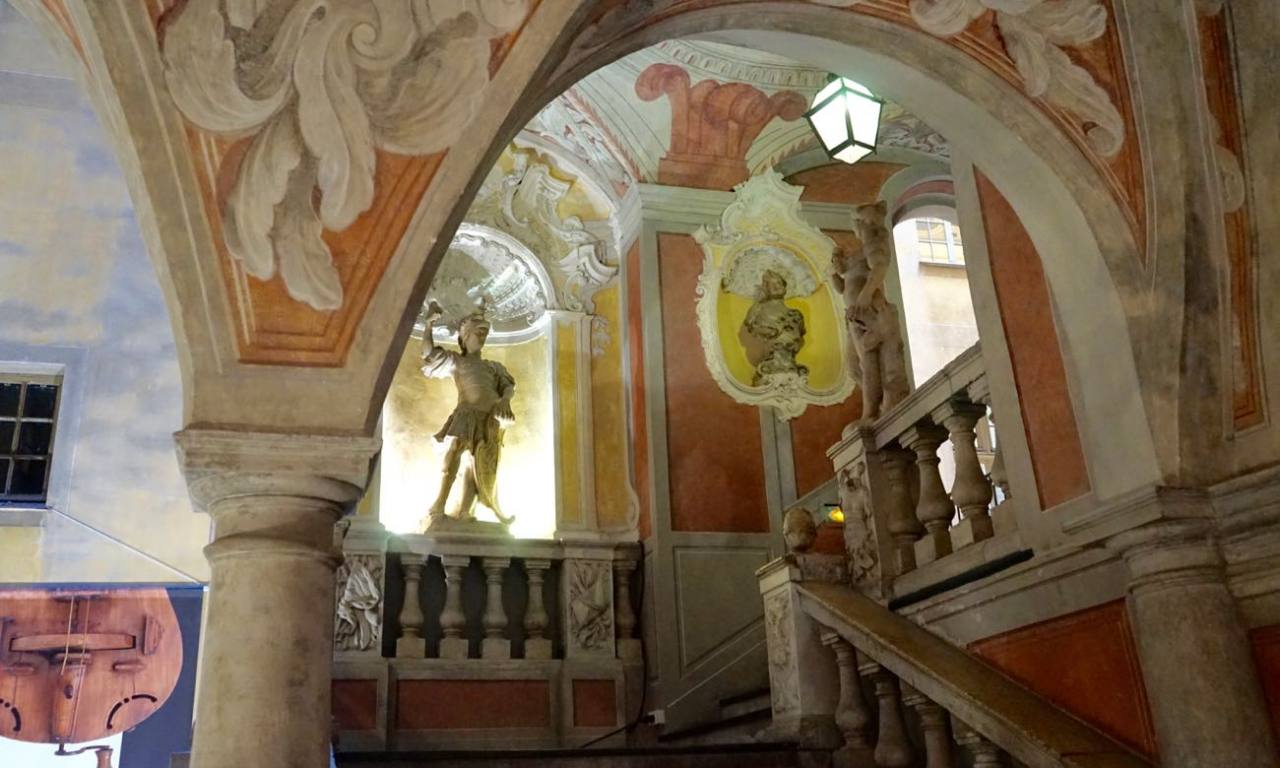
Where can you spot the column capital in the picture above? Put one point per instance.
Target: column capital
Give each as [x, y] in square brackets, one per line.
[922, 438]
[1170, 553]
[222, 465]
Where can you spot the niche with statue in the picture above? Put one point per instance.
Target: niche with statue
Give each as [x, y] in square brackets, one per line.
[769, 321]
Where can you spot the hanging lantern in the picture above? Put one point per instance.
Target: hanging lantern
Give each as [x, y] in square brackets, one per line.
[846, 117]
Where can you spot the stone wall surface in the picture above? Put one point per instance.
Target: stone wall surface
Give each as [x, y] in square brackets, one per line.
[80, 294]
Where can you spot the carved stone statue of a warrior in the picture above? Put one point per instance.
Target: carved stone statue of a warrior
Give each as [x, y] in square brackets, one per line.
[772, 332]
[876, 361]
[473, 432]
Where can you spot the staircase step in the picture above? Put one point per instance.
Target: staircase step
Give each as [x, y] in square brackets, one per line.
[728, 756]
[750, 703]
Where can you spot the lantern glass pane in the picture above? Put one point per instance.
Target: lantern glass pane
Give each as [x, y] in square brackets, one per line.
[830, 124]
[852, 153]
[865, 113]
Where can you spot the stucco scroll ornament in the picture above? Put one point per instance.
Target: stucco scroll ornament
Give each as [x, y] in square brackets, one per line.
[525, 204]
[764, 251]
[1035, 33]
[358, 624]
[321, 85]
[590, 604]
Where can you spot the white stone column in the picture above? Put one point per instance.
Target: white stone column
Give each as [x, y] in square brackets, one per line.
[411, 644]
[1207, 704]
[267, 647]
[971, 490]
[453, 621]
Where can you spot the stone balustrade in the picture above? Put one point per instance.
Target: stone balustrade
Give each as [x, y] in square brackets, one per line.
[848, 675]
[550, 624]
[899, 515]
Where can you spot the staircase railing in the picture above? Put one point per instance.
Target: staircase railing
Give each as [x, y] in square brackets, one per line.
[845, 671]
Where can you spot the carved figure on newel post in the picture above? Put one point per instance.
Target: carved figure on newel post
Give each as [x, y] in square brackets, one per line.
[876, 356]
[473, 432]
[770, 327]
[773, 333]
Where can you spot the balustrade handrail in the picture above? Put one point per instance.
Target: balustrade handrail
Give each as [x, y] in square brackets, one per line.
[955, 377]
[1016, 720]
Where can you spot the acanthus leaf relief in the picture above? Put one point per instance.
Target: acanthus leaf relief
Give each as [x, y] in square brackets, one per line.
[321, 86]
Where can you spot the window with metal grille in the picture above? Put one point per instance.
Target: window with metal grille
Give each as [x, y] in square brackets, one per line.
[28, 417]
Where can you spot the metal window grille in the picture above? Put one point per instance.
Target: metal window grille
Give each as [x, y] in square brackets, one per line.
[28, 418]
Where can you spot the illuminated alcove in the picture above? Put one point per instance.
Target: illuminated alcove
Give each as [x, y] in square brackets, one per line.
[536, 249]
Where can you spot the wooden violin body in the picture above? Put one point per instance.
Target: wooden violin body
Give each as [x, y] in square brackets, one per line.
[82, 664]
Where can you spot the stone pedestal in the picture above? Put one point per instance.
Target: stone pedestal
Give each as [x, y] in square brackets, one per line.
[804, 682]
[1206, 701]
[264, 692]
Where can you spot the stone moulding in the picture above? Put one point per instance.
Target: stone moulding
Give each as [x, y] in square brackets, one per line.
[762, 229]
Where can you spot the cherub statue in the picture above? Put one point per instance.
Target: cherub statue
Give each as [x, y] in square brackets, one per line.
[772, 332]
[876, 359]
[474, 430]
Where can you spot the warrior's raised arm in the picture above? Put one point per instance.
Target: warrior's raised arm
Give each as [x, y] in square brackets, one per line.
[434, 313]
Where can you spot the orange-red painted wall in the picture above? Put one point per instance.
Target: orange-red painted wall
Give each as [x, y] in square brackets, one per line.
[1027, 315]
[1084, 662]
[715, 466]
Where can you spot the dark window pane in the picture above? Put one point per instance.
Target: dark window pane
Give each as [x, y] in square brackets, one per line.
[4, 474]
[28, 477]
[35, 438]
[6, 439]
[9, 394]
[40, 400]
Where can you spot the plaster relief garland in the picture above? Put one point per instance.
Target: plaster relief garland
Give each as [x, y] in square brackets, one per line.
[321, 85]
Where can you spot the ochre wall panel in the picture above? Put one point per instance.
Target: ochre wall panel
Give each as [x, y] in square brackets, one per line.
[594, 704]
[355, 704]
[1026, 313]
[1084, 662]
[1266, 653]
[447, 704]
[715, 465]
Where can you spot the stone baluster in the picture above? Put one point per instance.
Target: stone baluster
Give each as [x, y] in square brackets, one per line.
[494, 645]
[453, 622]
[933, 723]
[971, 491]
[410, 644]
[904, 528]
[893, 748]
[536, 643]
[266, 650]
[628, 644]
[983, 753]
[934, 508]
[853, 716]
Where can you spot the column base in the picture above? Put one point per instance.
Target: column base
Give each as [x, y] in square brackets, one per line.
[971, 530]
[932, 546]
[495, 648]
[537, 648]
[454, 648]
[853, 757]
[805, 731]
[411, 648]
[629, 649]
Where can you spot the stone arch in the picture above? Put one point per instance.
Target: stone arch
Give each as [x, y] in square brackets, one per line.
[1091, 260]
